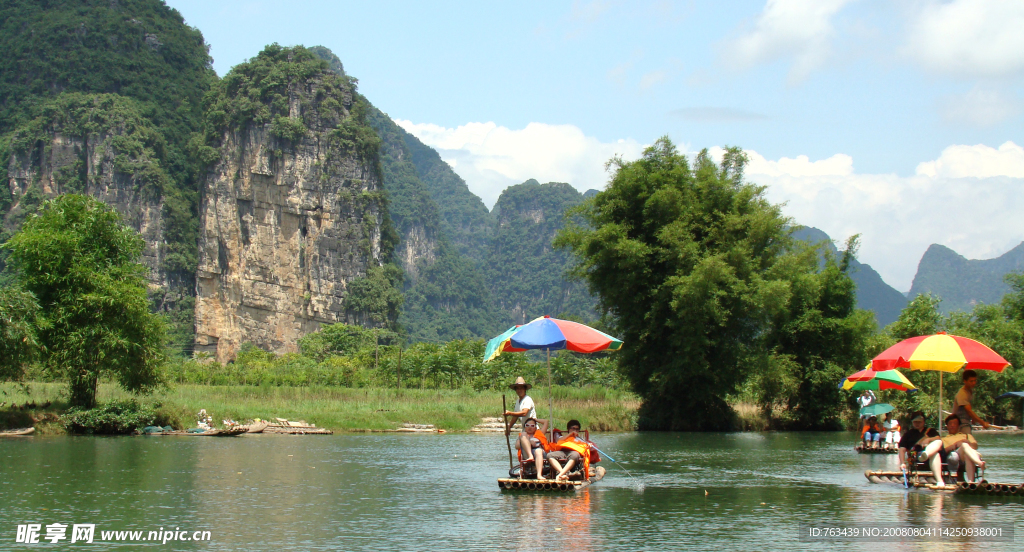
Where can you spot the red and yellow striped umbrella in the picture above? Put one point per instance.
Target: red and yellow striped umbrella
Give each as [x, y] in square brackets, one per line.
[940, 352]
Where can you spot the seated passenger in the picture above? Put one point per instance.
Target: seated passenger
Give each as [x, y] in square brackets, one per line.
[570, 449]
[960, 445]
[925, 444]
[871, 433]
[533, 445]
[892, 428]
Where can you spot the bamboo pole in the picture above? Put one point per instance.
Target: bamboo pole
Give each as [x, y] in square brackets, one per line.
[551, 408]
[504, 409]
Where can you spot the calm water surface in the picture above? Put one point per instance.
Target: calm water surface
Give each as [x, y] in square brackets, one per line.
[438, 492]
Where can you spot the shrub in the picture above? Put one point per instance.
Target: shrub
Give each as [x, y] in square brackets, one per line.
[113, 418]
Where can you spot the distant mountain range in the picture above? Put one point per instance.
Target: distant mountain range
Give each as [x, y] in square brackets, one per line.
[962, 283]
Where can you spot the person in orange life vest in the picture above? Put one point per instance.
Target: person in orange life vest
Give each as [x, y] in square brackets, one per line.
[532, 444]
[571, 449]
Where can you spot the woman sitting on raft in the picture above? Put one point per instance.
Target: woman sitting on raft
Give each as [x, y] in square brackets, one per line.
[960, 445]
[533, 445]
[871, 434]
[918, 439]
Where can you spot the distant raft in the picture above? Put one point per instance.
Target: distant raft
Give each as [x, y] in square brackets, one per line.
[516, 484]
[863, 450]
[924, 480]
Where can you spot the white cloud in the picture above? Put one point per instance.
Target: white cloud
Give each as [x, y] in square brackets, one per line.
[797, 29]
[980, 107]
[490, 157]
[978, 161]
[650, 79]
[969, 200]
[968, 38]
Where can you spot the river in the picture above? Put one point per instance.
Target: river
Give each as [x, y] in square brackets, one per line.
[356, 492]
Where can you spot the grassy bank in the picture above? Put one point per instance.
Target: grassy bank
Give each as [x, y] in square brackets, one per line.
[337, 408]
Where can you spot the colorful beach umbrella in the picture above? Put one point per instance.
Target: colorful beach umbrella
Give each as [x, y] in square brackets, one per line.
[939, 352]
[551, 334]
[877, 381]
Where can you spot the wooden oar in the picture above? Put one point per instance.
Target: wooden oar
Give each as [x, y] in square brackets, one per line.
[504, 409]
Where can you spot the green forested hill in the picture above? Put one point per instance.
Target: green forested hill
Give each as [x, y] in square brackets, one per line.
[468, 222]
[136, 57]
[526, 274]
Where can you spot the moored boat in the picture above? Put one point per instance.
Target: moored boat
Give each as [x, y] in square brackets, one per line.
[17, 432]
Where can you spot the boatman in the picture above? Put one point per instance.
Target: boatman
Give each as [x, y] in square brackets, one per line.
[962, 403]
[524, 407]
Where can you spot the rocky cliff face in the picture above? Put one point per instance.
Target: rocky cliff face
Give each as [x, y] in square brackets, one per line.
[93, 145]
[292, 213]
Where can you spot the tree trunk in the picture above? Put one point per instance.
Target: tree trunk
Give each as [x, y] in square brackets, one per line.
[83, 390]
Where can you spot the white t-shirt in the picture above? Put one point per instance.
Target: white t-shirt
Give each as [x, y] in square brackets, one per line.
[525, 403]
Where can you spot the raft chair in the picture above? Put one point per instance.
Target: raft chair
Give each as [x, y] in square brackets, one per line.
[925, 470]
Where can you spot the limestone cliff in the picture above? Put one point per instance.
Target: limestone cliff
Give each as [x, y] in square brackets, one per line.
[98, 145]
[292, 211]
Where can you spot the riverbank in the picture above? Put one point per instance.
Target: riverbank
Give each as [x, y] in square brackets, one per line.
[336, 408]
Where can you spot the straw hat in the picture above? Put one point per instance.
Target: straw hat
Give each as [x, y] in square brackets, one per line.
[520, 381]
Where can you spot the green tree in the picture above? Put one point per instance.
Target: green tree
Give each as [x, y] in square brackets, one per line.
[19, 321]
[698, 269]
[814, 343]
[81, 262]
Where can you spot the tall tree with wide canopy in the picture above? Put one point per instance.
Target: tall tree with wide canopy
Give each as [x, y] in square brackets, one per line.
[698, 270]
[81, 262]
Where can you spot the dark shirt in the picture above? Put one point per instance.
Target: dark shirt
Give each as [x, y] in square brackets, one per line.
[910, 438]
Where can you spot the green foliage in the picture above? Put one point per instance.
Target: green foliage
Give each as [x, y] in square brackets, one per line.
[814, 344]
[113, 418]
[376, 297]
[80, 262]
[336, 339]
[20, 320]
[698, 271]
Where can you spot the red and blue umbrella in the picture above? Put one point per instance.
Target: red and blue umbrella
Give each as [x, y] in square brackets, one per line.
[551, 334]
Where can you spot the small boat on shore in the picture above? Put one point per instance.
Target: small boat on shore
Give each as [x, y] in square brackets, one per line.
[227, 432]
[17, 432]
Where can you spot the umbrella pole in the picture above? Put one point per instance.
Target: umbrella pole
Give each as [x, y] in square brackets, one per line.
[939, 421]
[551, 409]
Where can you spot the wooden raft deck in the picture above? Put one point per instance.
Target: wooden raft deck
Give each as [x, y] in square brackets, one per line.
[924, 480]
[515, 484]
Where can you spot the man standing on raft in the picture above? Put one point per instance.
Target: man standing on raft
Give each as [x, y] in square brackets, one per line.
[524, 407]
[962, 403]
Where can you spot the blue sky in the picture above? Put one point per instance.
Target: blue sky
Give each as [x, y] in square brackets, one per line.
[898, 121]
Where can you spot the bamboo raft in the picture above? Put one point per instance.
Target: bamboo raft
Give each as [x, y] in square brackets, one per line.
[860, 448]
[515, 484]
[17, 432]
[925, 480]
[229, 432]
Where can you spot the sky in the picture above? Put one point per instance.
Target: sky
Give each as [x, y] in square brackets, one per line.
[898, 121]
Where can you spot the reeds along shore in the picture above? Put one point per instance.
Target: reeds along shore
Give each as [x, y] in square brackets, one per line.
[337, 408]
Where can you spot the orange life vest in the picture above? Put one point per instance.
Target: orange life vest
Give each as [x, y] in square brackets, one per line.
[571, 443]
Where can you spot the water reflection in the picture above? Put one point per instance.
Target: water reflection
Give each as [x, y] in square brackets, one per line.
[410, 492]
